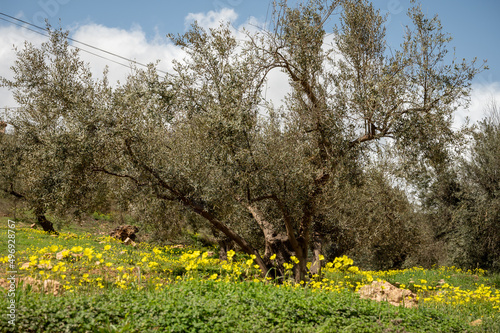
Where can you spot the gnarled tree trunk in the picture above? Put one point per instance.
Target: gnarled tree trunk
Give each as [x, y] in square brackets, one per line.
[46, 224]
[317, 248]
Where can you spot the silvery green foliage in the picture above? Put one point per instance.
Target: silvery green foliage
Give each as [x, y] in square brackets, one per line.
[205, 138]
[477, 215]
[55, 127]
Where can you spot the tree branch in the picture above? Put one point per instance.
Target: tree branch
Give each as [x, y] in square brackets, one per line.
[13, 193]
[118, 175]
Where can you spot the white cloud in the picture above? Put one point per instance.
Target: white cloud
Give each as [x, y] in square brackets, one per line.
[212, 19]
[10, 39]
[131, 44]
[277, 87]
[482, 95]
[134, 44]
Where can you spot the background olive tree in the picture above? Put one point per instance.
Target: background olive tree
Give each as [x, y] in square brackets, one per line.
[473, 233]
[483, 183]
[47, 157]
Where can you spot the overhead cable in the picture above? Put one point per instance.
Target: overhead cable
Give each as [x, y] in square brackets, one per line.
[75, 41]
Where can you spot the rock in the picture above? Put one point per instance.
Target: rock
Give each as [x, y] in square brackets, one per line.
[4, 283]
[51, 286]
[61, 255]
[476, 322]
[128, 241]
[384, 291]
[44, 266]
[124, 231]
[48, 286]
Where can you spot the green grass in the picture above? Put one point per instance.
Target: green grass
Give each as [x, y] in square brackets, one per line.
[189, 302]
[205, 306]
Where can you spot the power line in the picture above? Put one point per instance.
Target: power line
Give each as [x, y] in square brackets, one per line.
[45, 35]
[76, 41]
[19, 25]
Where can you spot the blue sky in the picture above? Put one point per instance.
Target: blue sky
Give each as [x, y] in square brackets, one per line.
[133, 25]
[474, 25]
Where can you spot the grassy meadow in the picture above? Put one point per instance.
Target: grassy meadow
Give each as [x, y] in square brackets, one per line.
[98, 284]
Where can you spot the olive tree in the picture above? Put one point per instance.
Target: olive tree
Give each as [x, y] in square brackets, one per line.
[252, 170]
[476, 236]
[53, 142]
[339, 108]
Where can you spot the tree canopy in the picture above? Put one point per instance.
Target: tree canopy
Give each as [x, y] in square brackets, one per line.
[272, 179]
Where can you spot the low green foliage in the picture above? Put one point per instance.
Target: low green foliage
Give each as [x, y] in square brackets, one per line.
[207, 306]
[186, 291]
[102, 216]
